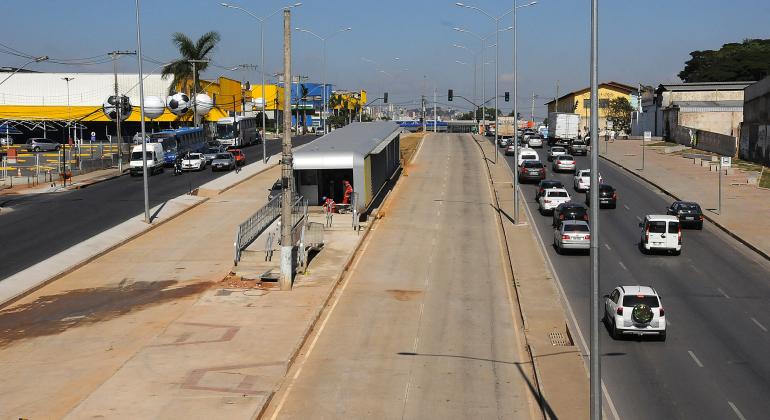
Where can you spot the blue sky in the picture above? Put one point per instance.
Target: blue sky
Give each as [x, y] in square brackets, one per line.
[643, 41]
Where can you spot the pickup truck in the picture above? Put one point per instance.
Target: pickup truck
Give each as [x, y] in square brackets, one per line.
[578, 148]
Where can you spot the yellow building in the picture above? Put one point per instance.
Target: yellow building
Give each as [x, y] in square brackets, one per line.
[579, 102]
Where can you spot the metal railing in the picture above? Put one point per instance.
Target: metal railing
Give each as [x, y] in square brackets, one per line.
[255, 224]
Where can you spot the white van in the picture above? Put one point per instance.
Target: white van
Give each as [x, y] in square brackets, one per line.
[527, 154]
[154, 159]
[661, 232]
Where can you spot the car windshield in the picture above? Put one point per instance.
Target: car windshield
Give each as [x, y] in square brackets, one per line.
[577, 227]
[689, 206]
[657, 226]
[557, 194]
[212, 150]
[633, 300]
[607, 188]
[533, 164]
[528, 157]
[673, 227]
[557, 149]
[138, 155]
[566, 157]
[223, 156]
[551, 184]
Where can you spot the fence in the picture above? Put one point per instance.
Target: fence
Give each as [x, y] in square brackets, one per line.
[705, 140]
[255, 224]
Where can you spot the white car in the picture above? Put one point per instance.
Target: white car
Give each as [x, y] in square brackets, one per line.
[582, 180]
[526, 153]
[535, 141]
[572, 234]
[661, 232]
[551, 198]
[556, 151]
[194, 162]
[564, 163]
[634, 310]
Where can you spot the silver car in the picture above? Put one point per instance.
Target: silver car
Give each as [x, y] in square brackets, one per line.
[572, 234]
[564, 163]
[224, 161]
[556, 151]
[37, 144]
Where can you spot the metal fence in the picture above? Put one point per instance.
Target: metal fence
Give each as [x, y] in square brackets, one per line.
[255, 224]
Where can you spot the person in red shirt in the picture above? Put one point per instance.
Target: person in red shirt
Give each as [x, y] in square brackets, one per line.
[348, 192]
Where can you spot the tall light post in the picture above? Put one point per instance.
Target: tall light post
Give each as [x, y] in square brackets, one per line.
[261, 21]
[323, 52]
[34, 60]
[516, 113]
[475, 82]
[595, 361]
[141, 116]
[69, 125]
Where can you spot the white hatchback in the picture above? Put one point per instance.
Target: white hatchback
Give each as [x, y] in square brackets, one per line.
[582, 180]
[634, 310]
[661, 232]
[551, 198]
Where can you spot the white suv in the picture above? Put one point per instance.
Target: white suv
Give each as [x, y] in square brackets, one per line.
[551, 198]
[582, 180]
[661, 232]
[634, 310]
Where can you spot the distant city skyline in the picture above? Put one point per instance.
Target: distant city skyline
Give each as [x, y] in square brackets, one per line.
[401, 47]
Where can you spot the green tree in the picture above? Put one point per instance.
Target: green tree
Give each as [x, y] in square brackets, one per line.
[182, 70]
[619, 114]
[745, 61]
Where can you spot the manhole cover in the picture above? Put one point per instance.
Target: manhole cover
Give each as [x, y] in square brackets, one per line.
[559, 339]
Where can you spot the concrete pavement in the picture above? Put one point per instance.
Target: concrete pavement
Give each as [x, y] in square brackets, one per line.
[744, 206]
[425, 325]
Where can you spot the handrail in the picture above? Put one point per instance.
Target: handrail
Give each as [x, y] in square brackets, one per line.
[255, 224]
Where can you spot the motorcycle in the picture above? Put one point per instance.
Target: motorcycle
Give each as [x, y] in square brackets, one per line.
[177, 168]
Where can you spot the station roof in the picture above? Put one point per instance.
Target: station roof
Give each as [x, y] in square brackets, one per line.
[340, 148]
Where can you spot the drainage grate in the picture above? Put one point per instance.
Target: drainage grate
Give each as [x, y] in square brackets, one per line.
[559, 339]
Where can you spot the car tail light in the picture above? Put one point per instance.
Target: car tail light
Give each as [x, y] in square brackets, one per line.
[647, 235]
[701, 217]
[679, 235]
[565, 236]
[619, 310]
[615, 195]
[588, 236]
[662, 312]
[542, 170]
[585, 217]
[547, 201]
[561, 216]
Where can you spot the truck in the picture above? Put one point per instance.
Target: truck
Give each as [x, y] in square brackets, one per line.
[563, 125]
[154, 157]
[506, 127]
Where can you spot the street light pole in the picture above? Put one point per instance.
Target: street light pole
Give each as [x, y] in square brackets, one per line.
[141, 112]
[69, 126]
[34, 60]
[595, 356]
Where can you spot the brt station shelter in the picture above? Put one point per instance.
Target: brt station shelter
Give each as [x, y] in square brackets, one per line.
[365, 154]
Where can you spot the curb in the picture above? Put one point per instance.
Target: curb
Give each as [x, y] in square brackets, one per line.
[319, 312]
[748, 244]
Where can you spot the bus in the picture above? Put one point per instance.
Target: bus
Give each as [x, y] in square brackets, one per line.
[237, 131]
[179, 142]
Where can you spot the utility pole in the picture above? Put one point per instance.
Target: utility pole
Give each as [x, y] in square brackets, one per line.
[557, 97]
[141, 116]
[435, 114]
[532, 114]
[595, 395]
[118, 105]
[424, 123]
[286, 162]
[69, 124]
[515, 119]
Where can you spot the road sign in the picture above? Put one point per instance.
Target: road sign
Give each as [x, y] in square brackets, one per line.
[93, 136]
[647, 135]
[726, 161]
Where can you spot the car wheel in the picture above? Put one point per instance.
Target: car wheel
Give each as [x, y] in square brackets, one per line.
[614, 331]
[699, 226]
[557, 248]
[675, 252]
[643, 249]
[36, 149]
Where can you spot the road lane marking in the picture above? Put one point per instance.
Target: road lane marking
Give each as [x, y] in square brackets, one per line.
[695, 358]
[737, 412]
[608, 247]
[638, 218]
[626, 207]
[759, 324]
[723, 293]
[623, 266]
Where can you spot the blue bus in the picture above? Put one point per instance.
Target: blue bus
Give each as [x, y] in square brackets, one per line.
[179, 142]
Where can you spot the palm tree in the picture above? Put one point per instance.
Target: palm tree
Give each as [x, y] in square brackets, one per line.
[182, 69]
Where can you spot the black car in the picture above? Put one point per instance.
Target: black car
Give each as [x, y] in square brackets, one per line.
[608, 197]
[545, 184]
[569, 211]
[531, 170]
[688, 213]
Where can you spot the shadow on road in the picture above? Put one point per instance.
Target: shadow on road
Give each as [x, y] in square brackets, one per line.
[49, 315]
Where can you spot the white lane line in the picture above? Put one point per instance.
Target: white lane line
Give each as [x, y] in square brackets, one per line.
[626, 207]
[737, 412]
[623, 266]
[608, 247]
[759, 324]
[723, 293]
[695, 358]
[638, 218]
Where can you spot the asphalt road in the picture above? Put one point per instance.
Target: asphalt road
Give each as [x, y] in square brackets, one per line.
[714, 363]
[41, 225]
[423, 327]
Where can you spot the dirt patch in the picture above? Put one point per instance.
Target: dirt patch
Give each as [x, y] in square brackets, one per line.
[409, 145]
[404, 295]
[49, 315]
[764, 179]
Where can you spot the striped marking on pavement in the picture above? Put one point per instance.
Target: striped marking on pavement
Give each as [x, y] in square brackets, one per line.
[695, 358]
[736, 411]
[759, 324]
[626, 207]
[723, 293]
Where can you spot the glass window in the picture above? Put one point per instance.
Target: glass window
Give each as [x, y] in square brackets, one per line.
[656, 226]
[560, 194]
[576, 228]
[633, 300]
[673, 227]
[614, 296]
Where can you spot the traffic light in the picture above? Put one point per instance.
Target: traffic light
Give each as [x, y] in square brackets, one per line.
[385, 98]
[507, 97]
[450, 95]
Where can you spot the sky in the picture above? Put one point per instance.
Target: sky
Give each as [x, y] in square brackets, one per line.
[402, 47]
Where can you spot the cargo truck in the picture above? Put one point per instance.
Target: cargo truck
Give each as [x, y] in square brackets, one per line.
[563, 125]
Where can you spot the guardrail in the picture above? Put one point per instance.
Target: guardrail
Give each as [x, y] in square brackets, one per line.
[255, 224]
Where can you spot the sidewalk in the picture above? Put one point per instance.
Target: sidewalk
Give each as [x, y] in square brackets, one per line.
[21, 185]
[148, 331]
[560, 371]
[744, 206]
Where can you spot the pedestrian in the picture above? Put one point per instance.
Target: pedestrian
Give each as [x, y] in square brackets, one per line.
[269, 246]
